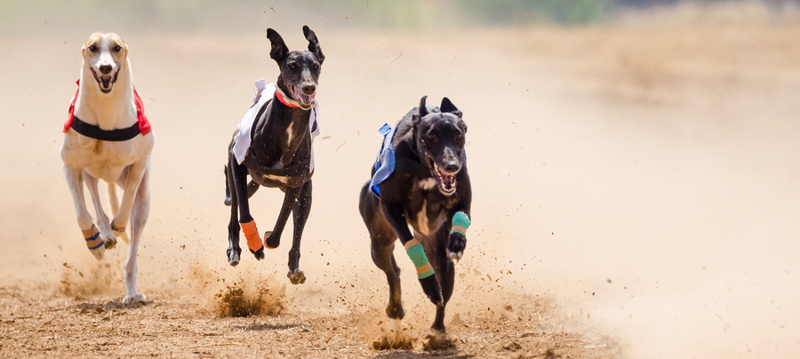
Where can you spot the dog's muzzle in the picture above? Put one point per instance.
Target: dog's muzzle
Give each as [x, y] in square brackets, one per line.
[105, 79]
[305, 98]
[445, 177]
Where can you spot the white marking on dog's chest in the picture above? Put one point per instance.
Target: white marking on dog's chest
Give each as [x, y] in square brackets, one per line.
[427, 184]
[424, 225]
[422, 219]
[289, 137]
[282, 179]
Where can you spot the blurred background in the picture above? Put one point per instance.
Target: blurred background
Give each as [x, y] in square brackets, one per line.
[635, 161]
[207, 15]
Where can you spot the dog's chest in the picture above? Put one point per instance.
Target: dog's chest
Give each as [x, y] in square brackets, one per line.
[103, 159]
[427, 210]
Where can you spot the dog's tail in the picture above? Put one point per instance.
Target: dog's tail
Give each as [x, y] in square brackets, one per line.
[112, 197]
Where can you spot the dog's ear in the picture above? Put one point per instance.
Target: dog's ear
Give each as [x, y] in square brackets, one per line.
[423, 108]
[422, 111]
[448, 106]
[313, 43]
[279, 50]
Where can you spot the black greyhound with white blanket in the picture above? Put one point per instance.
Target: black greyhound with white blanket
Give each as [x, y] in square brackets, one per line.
[279, 153]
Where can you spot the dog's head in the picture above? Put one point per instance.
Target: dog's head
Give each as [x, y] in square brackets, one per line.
[104, 54]
[440, 138]
[299, 69]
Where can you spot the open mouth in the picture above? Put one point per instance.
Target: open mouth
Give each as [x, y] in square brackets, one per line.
[446, 181]
[106, 81]
[305, 101]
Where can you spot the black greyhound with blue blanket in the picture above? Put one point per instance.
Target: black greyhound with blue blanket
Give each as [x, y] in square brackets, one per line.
[420, 179]
[273, 147]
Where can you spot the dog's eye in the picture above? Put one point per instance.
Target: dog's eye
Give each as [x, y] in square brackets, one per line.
[117, 48]
[315, 67]
[293, 65]
[431, 137]
[459, 136]
[93, 48]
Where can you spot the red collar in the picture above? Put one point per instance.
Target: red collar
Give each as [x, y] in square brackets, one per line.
[289, 101]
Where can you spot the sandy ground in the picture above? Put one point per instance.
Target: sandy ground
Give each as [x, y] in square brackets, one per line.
[635, 195]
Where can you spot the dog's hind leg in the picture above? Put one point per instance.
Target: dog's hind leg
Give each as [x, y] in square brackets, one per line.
[302, 207]
[102, 219]
[252, 187]
[237, 180]
[139, 214]
[382, 239]
[94, 242]
[382, 249]
[445, 272]
[273, 238]
[114, 200]
[234, 252]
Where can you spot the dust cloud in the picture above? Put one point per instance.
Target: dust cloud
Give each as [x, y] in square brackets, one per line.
[635, 182]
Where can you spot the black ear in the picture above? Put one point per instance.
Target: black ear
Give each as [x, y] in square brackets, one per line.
[448, 106]
[279, 50]
[313, 43]
[423, 108]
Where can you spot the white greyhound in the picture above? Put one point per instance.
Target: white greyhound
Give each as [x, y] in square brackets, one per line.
[108, 137]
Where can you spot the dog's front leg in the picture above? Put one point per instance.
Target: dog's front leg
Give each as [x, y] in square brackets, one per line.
[102, 219]
[394, 214]
[94, 242]
[459, 223]
[300, 212]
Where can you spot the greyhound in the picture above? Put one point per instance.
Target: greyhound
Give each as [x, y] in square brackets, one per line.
[108, 137]
[420, 179]
[275, 151]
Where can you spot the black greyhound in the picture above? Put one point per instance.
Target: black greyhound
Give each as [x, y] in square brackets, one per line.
[279, 155]
[420, 179]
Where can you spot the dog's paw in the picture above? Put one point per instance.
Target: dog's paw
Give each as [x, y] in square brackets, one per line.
[259, 253]
[296, 276]
[111, 241]
[455, 248]
[431, 288]
[234, 255]
[272, 240]
[130, 299]
[395, 311]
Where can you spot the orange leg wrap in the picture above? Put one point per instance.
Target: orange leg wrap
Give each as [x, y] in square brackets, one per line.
[254, 241]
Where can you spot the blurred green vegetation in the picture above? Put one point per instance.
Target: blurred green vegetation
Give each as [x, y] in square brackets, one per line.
[43, 16]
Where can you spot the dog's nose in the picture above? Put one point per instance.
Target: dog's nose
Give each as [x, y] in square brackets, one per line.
[451, 167]
[105, 69]
[309, 89]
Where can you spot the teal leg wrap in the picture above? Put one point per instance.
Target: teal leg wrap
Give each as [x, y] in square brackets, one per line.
[460, 223]
[420, 260]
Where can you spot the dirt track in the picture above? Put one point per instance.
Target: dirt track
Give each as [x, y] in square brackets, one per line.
[635, 189]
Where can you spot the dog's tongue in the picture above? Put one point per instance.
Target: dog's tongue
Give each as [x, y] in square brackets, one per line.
[105, 82]
[448, 182]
